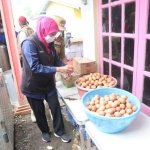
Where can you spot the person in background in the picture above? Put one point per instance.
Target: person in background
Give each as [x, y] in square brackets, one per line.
[59, 43]
[23, 34]
[40, 63]
[2, 35]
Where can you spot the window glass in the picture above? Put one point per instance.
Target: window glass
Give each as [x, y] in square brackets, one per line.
[114, 0]
[106, 68]
[130, 17]
[129, 51]
[128, 79]
[105, 20]
[104, 1]
[147, 59]
[116, 48]
[116, 19]
[146, 91]
[148, 28]
[116, 74]
[106, 47]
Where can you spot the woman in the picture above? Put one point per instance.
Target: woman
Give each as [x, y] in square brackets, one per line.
[40, 63]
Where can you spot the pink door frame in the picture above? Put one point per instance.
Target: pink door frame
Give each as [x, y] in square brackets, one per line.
[143, 36]
[139, 43]
[7, 17]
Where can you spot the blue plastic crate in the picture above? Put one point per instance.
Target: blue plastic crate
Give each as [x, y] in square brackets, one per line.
[110, 124]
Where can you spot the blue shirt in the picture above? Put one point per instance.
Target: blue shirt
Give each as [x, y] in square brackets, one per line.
[30, 52]
[2, 38]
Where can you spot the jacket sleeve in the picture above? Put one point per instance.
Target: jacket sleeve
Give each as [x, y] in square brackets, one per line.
[31, 55]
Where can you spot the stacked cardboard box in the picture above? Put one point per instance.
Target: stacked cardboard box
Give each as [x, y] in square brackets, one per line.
[69, 83]
[75, 49]
[84, 66]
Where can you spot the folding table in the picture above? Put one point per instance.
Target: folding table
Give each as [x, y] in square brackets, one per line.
[135, 137]
[73, 103]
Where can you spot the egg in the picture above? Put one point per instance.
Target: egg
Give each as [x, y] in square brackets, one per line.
[90, 107]
[126, 114]
[87, 103]
[92, 103]
[102, 107]
[124, 97]
[129, 105]
[87, 82]
[102, 113]
[97, 101]
[108, 115]
[129, 111]
[117, 114]
[93, 77]
[93, 87]
[94, 108]
[112, 97]
[122, 100]
[122, 111]
[134, 108]
[97, 106]
[107, 106]
[110, 111]
[118, 109]
[97, 97]
[87, 87]
[122, 106]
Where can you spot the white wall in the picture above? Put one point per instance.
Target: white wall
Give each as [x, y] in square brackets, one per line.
[87, 12]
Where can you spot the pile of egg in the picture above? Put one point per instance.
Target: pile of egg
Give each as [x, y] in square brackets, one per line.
[95, 80]
[111, 105]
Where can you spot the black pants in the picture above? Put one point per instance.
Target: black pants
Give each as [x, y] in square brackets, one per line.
[39, 112]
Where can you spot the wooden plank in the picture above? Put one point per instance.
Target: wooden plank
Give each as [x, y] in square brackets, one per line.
[23, 112]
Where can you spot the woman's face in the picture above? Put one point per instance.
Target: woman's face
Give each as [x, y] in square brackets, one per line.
[52, 34]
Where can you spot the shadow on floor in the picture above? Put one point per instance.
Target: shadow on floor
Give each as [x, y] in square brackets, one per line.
[28, 135]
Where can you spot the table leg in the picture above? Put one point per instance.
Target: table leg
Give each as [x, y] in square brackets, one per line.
[88, 142]
[81, 132]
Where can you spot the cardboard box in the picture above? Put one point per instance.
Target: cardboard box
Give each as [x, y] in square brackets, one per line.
[84, 65]
[76, 41]
[69, 83]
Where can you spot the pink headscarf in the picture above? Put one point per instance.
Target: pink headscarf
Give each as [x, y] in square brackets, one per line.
[45, 26]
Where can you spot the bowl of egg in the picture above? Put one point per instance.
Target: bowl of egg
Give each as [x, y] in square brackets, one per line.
[93, 81]
[111, 109]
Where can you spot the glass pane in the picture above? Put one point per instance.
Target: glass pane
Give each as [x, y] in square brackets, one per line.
[128, 79]
[104, 1]
[114, 0]
[129, 52]
[105, 20]
[116, 49]
[147, 60]
[106, 68]
[148, 29]
[106, 47]
[130, 17]
[116, 74]
[116, 19]
[146, 91]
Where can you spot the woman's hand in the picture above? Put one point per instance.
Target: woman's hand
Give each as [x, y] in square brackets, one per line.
[68, 69]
